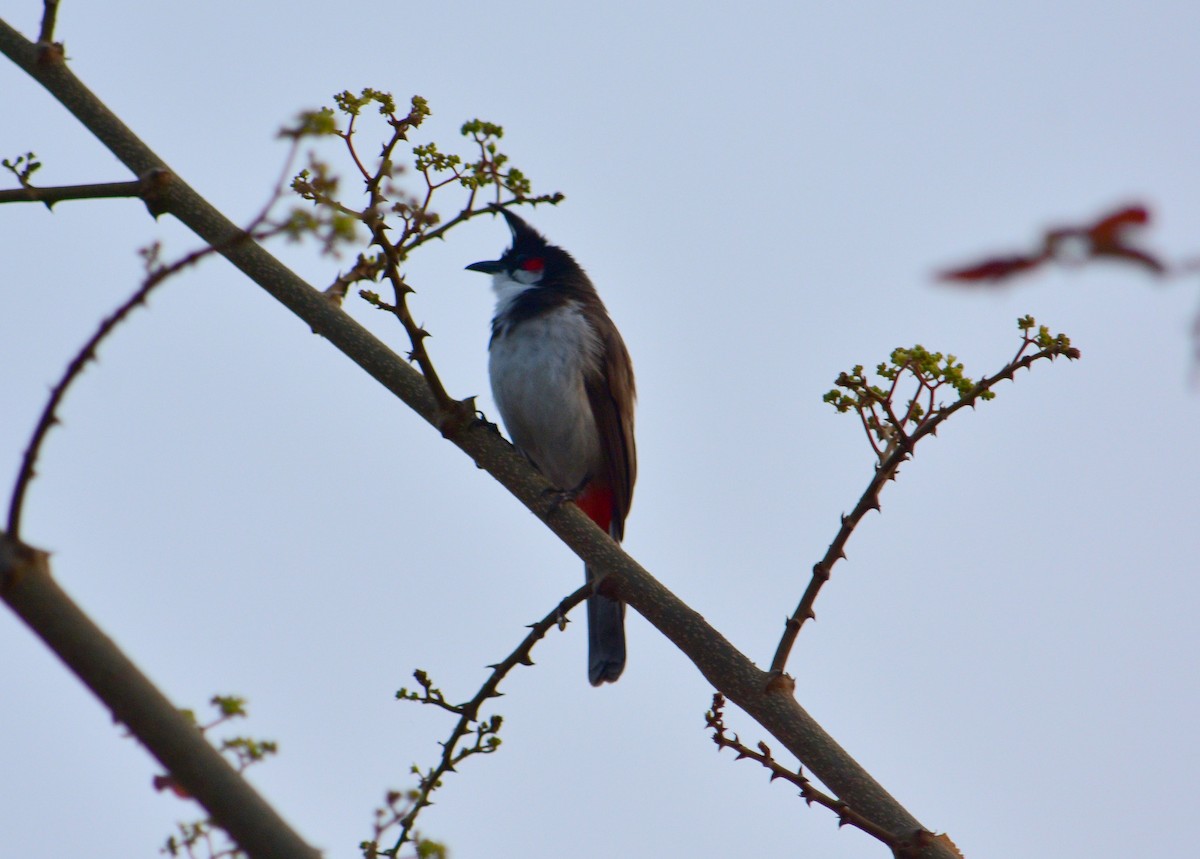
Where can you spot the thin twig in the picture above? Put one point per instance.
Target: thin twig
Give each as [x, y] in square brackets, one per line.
[144, 188]
[393, 257]
[49, 415]
[467, 214]
[714, 719]
[71, 192]
[469, 712]
[49, 16]
[886, 470]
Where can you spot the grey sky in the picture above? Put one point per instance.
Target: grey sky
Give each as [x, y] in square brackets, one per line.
[761, 198]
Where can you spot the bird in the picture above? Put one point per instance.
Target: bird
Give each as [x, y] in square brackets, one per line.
[562, 379]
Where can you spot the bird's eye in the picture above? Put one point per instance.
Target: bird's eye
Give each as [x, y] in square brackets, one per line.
[533, 264]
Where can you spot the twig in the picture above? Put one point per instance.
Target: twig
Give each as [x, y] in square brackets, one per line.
[466, 214]
[714, 719]
[468, 713]
[98, 191]
[157, 178]
[887, 469]
[49, 16]
[49, 416]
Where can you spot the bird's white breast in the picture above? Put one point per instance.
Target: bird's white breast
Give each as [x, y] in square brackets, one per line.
[537, 369]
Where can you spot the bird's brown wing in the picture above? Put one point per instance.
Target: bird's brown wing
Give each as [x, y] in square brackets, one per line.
[611, 394]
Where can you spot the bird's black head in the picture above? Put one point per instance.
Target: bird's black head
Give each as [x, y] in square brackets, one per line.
[531, 260]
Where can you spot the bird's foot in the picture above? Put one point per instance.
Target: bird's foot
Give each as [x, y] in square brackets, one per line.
[558, 497]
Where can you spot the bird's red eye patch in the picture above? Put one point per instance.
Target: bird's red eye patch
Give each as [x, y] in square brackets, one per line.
[533, 264]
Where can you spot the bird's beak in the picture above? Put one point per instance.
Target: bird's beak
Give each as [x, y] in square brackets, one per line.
[488, 267]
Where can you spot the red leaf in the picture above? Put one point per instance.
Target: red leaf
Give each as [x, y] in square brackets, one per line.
[995, 269]
[1107, 230]
[1109, 237]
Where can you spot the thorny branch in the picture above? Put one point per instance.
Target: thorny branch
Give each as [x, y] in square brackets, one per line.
[714, 719]
[152, 182]
[894, 438]
[469, 723]
[49, 415]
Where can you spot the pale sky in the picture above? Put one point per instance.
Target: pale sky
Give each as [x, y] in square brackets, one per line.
[761, 198]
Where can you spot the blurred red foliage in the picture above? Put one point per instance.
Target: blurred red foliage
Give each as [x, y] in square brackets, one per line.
[1109, 237]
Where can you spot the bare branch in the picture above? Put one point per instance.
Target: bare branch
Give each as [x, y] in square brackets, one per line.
[152, 183]
[452, 753]
[49, 416]
[29, 589]
[714, 719]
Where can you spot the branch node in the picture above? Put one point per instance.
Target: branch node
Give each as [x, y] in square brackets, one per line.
[779, 682]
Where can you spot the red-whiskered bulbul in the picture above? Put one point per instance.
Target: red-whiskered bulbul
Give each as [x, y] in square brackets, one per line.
[563, 381]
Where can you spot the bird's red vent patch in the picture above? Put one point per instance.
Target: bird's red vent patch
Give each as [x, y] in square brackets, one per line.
[597, 502]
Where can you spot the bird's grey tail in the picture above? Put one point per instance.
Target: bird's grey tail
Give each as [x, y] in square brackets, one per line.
[606, 638]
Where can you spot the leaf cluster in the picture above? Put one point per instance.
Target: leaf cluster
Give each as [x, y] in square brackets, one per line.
[906, 403]
[386, 203]
[23, 167]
